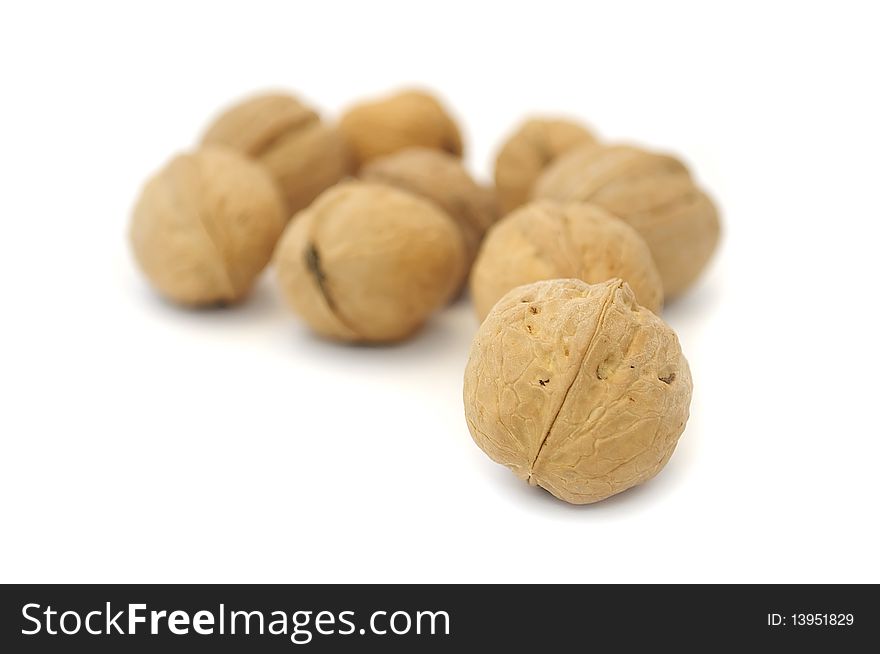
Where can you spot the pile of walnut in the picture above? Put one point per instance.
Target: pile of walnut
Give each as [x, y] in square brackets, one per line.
[374, 224]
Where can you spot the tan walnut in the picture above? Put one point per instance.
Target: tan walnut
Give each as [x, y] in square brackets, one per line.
[205, 226]
[404, 120]
[442, 179]
[576, 388]
[528, 151]
[303, 154]
[368, 262]
[654, 193]
[548, 240]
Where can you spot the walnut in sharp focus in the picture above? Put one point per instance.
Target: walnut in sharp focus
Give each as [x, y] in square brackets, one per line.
[368, 262]
[654, 193]
[442, 179]
[576, 388]
[528, 151]
[303, 154]
[205, 226]
[548, 240]
[403, 120]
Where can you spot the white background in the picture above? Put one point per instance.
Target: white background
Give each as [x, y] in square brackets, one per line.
[145, 443]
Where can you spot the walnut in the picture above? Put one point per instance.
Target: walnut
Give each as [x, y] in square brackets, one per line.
[404, 120]
[442, 179]
[654, 193]
[547, 240]
[368, 262]
[576, 388]
[205, 226]
[528, 151]
[303, 154]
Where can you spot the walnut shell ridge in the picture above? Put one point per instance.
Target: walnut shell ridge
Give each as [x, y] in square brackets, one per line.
[303, 155]
[404, 120]
[654, 193]
[205, 225]
[442, 179]
[548, 240]
[368, 262]
[528, 151]
[576, 388]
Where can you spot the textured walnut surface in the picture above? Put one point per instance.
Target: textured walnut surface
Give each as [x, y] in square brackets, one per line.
[205, 226]
[441, 178]
[302, 154]
[548, 240]
[528, 151]
[654, 193]
[576, 388]
[368, 262]
[404, 120]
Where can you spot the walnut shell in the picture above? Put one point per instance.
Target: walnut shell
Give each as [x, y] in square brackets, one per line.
[368, 262]
[205, 226]
[303, 155]
[442, 179]
[528, 151]
[547, 240]
[404, 120]
[654, 193]
[576, 388]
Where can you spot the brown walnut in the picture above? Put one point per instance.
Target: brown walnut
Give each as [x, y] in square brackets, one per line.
[576, 388]
[528, 151]
[404, 120]
[368, 262]
[205, 226]
[303, 154]
[654, 193]
[547, 240]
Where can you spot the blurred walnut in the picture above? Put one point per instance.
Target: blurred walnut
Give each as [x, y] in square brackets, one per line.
[528, 151]
[205, 226]
[404, 120]
[303, 155]
[442, 179]
[546, 240]
[576, 388]
[654, 193]
[368, 262]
